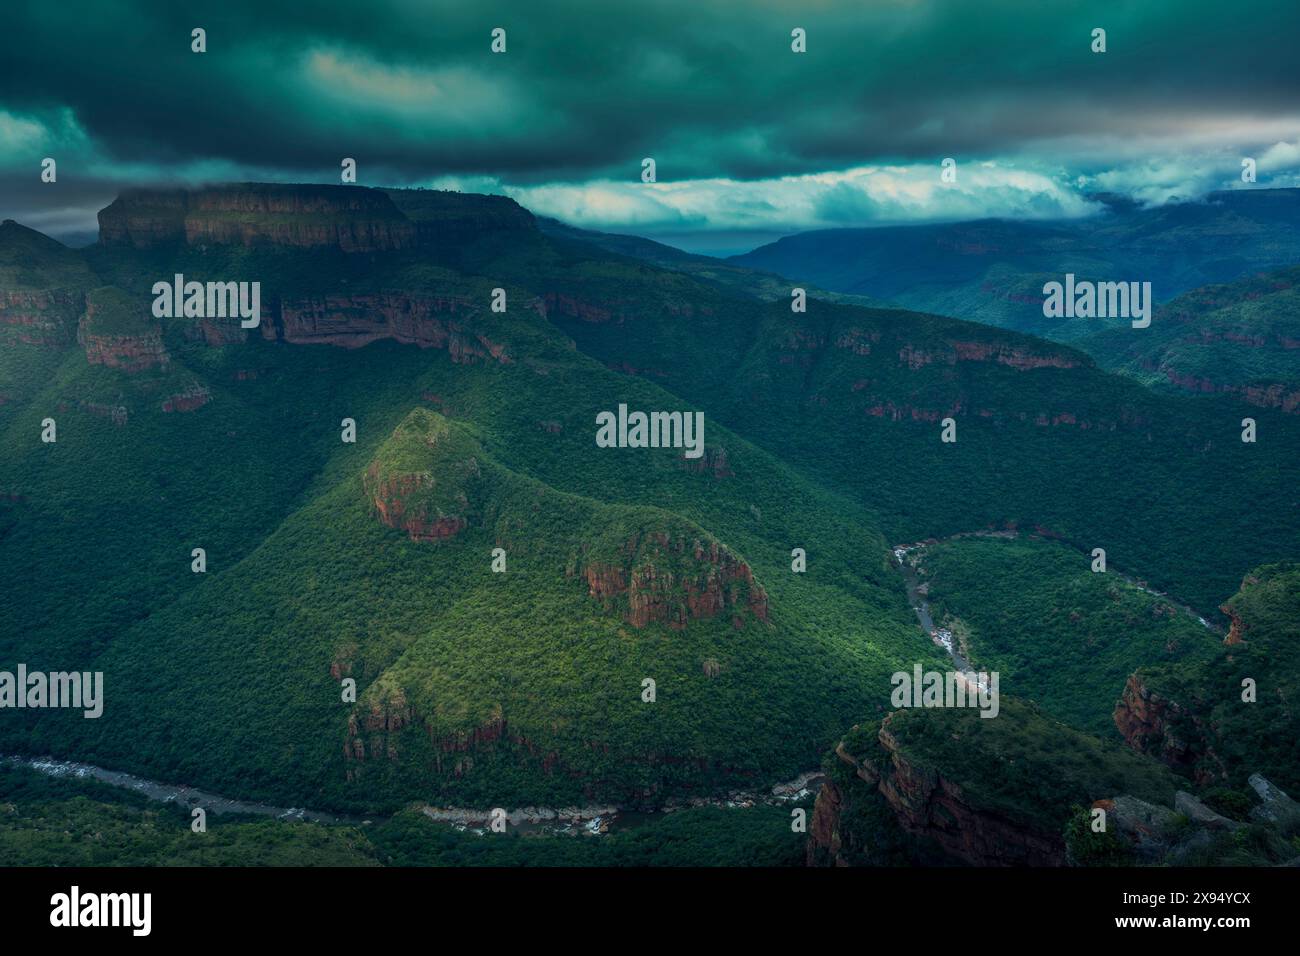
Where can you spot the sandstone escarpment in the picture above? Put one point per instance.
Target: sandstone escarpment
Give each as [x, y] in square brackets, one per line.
[1154, 725]
[193, 397]
[558, 303]
[352, 321]
[928, 804]
[930, 807]
[375, 727]
[1013, 356]
[441, 216]
[401, 501]
[1282, 396]
[668, 579]
[351, 218]
[47, 318]
[119, 332]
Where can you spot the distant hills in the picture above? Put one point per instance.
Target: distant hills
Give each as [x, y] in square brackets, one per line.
[1241, 338]
[993, 270]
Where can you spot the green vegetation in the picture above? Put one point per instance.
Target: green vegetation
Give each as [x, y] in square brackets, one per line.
[478, 688]
[1214, 731]
[1024, 765]
[1235, 337]
[111, 312]
[71, 822]
[1057, 633]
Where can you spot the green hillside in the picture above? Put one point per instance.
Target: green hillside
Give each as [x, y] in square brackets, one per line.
[1058, 633]
[1238, 339]
[329, 560]
[1210, 724]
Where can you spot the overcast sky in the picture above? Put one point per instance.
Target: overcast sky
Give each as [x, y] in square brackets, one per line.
[749, 138]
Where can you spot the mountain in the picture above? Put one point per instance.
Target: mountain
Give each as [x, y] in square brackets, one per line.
[993, 271]
[715, 272]
[1239, 339]
[330, 560]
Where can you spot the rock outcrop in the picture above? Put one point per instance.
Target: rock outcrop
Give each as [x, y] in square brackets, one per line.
[1275, 806]
[400, 502]
[352, 321]
[1147, 723]
[666, 579]
[1013, 356]
[930, 808]
[47, 318]
[351, 218]
[419, 482]
[193, 397]
[119, 332]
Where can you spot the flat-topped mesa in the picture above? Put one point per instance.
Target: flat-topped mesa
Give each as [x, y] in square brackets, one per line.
[444, 216]
[119, 332]
[670, 579]
[351, 218]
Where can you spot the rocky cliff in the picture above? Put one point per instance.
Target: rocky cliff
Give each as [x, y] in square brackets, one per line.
[42, 288]
[355, 320]
[1234, 715]
[420, 481]
[47, 318]
[441, 216]
[668, 579]
[351, 218]
[118, 331]
[1013, 356]
[930, 806]
[1157, 726]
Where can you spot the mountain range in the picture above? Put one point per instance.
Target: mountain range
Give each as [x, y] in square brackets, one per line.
[500, 589]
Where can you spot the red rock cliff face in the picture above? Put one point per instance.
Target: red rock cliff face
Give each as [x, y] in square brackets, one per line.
[370, 726]
[352, 321]
[824, 837]
[354, 219]
[130, 353]
[1237, 632]
[395, 501]
[196, 396]
[670, 581]
[1148, 723]
[47, 319]
[1017, 357]
[929, 805]
[1283, 397]
[558, 303]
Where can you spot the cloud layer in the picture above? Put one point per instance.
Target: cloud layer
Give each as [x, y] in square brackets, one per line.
[746, 134]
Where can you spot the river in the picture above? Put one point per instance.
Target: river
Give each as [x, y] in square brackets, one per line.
[585, 820]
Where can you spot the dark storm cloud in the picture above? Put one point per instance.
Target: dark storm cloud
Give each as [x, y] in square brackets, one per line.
[588, 88]
[710, 89]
